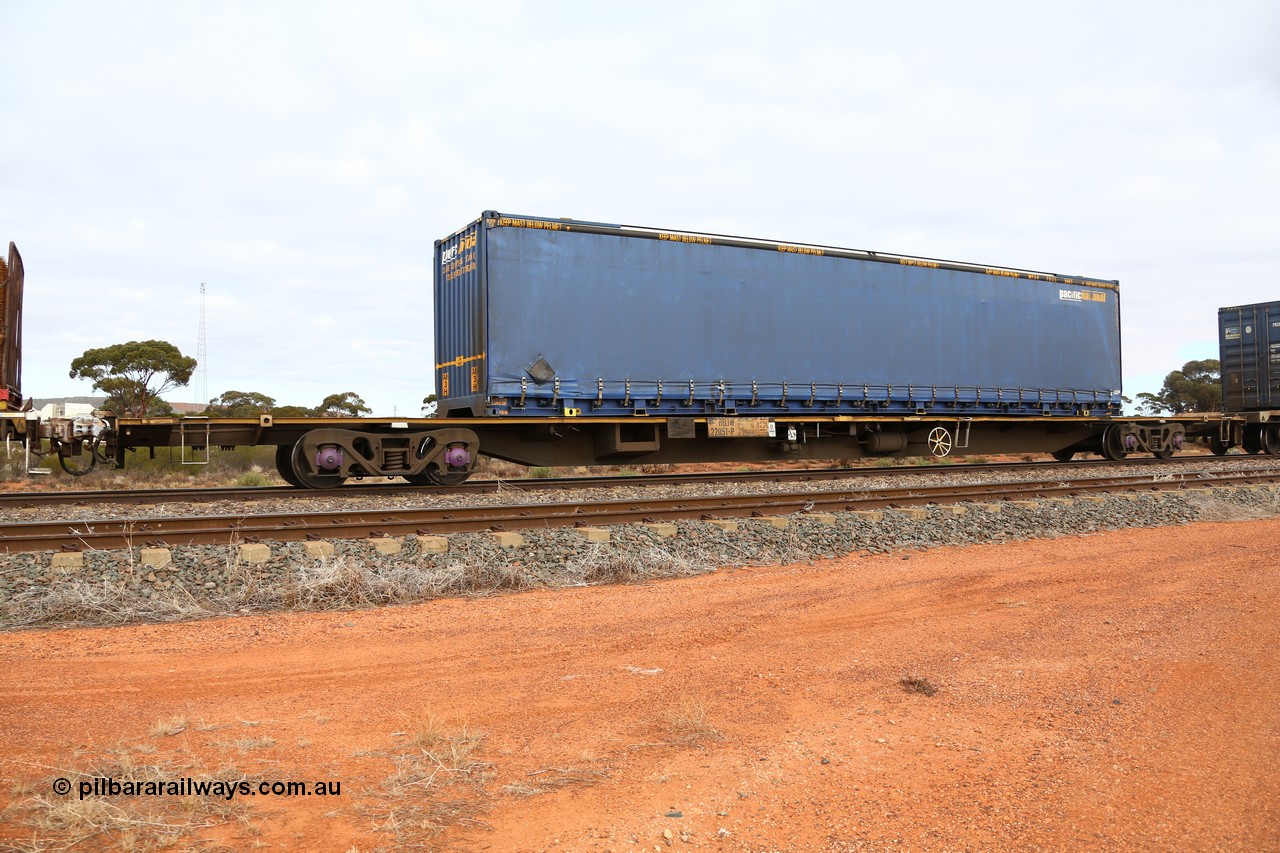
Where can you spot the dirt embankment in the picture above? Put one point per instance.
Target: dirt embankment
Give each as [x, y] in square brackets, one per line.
[1110, 692]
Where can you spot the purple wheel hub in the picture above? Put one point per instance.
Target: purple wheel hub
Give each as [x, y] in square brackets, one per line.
[456, 456]
[328, 458]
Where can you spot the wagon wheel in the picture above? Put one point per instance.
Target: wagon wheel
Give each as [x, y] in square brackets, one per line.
[1063, 455]
[305, 476]
[1252, 439]
[939, 441]
[434, 476]
[1167, 453]
[1113, 444]
[1271, 439]
[284, 465]
[1217, 446]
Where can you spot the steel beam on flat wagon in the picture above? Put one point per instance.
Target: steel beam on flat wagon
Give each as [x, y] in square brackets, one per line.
[569, 441]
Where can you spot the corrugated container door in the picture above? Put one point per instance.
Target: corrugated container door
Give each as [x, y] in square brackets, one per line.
[461, 333]
[1232, 357]
[1249, 357]
[1249, 348]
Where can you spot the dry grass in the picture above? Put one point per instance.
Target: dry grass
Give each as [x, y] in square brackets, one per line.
[439, 782]
[917, 684]
[554, 778]
[685, 721]
[1212, 507]
[81, 603]
[135, 823]
[342, 583]
[169, 727]
[245, 744]
[597, 565]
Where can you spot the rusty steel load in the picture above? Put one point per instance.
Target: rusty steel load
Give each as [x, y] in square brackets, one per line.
[11, 279]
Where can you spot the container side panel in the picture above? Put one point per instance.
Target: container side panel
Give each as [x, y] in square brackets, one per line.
[1269, 385]
[460, 368]
[627, 323]
[1249, 353]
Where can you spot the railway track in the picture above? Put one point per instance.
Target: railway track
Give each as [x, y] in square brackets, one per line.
[113, 534]
[143, 497]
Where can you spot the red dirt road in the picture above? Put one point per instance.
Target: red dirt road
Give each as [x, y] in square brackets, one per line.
[1110, 692]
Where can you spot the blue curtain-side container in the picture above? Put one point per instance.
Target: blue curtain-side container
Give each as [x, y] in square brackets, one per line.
[539, 316]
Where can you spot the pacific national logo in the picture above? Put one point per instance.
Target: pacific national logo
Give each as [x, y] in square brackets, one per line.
[1080, 296]
[450, 254]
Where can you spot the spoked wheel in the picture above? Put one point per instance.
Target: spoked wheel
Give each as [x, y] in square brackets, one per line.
[284, 465]
[940, 441]
[306, 478]
[1113, 444]
[1271, 439]
[1063, 455]
[1252, 439]
[1217, 446]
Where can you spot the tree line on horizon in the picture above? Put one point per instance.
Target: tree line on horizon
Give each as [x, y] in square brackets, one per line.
[134, 375]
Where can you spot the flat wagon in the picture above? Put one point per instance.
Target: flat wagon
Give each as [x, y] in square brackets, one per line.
[564, 343]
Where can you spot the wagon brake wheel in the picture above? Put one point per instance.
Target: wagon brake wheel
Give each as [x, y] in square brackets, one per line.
[939, 441]
[308, 479]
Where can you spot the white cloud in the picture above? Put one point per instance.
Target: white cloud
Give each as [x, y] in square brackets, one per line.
[301, 158]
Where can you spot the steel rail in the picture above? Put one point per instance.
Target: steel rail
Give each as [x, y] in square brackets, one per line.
[114, 534]
[141, 497]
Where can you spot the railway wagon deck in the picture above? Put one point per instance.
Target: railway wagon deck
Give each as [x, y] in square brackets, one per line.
[320, 452]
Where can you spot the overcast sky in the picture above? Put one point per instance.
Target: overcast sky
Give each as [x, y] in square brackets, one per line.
[301, 158]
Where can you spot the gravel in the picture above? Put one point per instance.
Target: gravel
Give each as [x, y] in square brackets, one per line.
[510, 492]
[114, 587]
